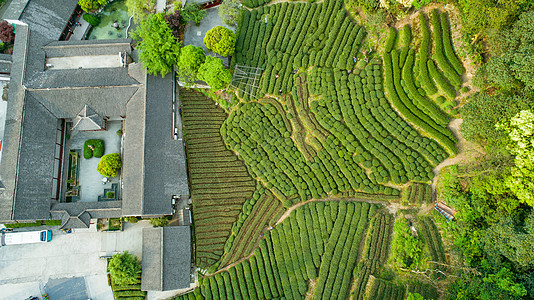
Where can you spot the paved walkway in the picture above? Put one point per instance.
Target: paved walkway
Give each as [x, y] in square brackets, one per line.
[130, 239]
[80, 31]
[26, 269]
[90, 180]
[194, 35]
[160, 5]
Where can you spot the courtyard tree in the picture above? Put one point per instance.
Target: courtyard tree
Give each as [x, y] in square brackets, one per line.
[91, 5]
[220, 40]
[158, 48]
[175, 21]
[192, 12]
[159, 222]
[231, 11]
[140, 8]
[124, 268]
[190, 60]
[7, 32]
[213, 72]
[109, 165]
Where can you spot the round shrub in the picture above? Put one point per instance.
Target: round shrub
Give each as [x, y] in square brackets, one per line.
[220, 40]
[109, 165]
[93, 147]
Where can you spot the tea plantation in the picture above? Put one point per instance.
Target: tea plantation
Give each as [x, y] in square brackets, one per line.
[329, 120]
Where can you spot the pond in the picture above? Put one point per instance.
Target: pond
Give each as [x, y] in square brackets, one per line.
[115, 12]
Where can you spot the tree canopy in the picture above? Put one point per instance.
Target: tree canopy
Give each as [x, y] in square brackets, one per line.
[230, 12]
[109, 165]
[512, 65]
[7, 32]
[520, 130]
[158, 48]
[91, 5]
[220, 40]
[192, 12]
[213, 72]
[406, 250]
[190, 60]
[140, 8]
[124, 268]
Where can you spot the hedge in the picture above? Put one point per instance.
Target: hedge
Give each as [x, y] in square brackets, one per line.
[423, 103]
[443, 63]
[98, 148]
[448, 45]
[426, 81]
[390, 42]
[390, 85]
[405, 37]
[440, 80]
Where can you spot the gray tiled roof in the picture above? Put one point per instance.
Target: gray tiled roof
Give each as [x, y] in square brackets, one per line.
[36, 162]
[166, 258]
[154, 164]
[79, 214]
[133, 155]
[13, 125]
[46, 20]
[66, 103]
[165, 169]
[80, 221]
[152, 266]
[87, 47]
[88, 119]
[53, 79]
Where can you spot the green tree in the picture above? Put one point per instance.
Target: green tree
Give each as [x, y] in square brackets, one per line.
[158, 48]
[513, 64]
[140, 8]
[159, 222]
[415, 296]
[190, 60]
[505, 280]
[109, 165]
[484, 110]
[480, 15]
[124, 268]
[231, 12]
[220, 40]
[192, 12]
[511, 240]
[520, 130]
[213, 72]
[91, 5]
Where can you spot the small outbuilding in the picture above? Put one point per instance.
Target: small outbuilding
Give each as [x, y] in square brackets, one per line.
[166, 258]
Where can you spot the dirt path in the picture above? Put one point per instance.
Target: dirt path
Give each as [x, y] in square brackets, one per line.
[467, 151]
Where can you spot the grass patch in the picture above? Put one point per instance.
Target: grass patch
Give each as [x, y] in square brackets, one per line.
[19, 225]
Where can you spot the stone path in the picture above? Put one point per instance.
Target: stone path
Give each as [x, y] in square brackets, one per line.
[160, 5]
[80, 31]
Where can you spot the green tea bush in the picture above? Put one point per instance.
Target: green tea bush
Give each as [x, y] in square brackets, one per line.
[448, 71]
[392, 38]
